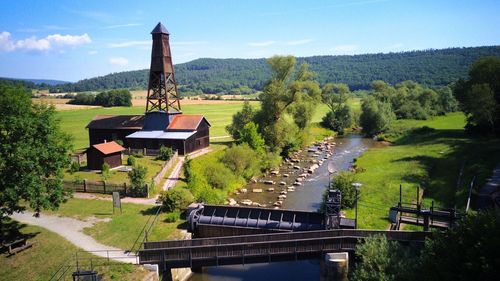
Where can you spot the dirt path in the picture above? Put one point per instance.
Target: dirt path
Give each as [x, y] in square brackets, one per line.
[484, 199]
[72, 230]
[142, 201]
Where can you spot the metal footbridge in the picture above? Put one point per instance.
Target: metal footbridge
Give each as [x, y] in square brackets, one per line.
[262, 247]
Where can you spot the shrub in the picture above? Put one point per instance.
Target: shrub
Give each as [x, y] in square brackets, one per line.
[338, 120]
[74, 167]
[172, 217]
[343, 182]
[242, 160]
[137, 178]
[165, 153]
[218, 175]
[131, 160]
[105, 172]
[175, 199]
[376, 116]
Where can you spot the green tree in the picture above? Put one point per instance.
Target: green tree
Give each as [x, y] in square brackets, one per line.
[383, 260]
[343, 182]
[286, 93]
[165, 153]
[467, 252]
[105, 172]
[376, 116]
[33, 153]
[250, 135]
[335, 95]
[338, 120]
[240, 119]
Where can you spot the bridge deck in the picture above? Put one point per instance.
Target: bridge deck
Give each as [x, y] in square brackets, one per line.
[261, 248]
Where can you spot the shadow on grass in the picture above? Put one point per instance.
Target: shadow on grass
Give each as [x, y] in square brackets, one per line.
[150, 211]
[478, 156]
[10, 230]
[183, 226]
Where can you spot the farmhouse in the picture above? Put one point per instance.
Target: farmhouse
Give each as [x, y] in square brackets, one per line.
[163, 123]
[109, 153]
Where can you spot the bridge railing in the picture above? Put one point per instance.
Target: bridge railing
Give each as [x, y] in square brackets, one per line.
[264, 245]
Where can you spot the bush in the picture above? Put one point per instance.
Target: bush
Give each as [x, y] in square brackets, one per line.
[343, 182]
[242, 160]
[165, 153]
[172, 217]
[218, 175]
[131, 160]
[137, 178]
[105, 172]
[338, 120]
[175, 199]
[83, 99]
[74, 167]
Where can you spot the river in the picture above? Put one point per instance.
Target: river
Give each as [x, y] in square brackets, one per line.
[306, 197]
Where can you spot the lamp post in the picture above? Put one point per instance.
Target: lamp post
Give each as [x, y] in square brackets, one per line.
[356, 185]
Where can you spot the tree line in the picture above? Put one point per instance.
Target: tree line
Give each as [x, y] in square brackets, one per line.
[431, 68]
[106, 99]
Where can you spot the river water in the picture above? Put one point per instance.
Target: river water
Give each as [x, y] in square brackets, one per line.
[306, 197]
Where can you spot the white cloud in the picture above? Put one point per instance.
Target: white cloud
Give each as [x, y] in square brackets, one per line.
[43, 44]
[299, 42]
[129, 44]
[119, 61]
[71, 40]
[262, 44]
[93, 52]
[348, 48]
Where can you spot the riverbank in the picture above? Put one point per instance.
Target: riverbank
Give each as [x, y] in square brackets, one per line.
[425, 153]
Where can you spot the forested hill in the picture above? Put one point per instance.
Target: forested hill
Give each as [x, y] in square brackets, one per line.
[427, 67]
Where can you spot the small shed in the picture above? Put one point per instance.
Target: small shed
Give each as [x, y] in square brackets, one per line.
[108, 152]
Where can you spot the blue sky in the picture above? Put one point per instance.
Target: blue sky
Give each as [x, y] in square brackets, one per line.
[72, 40]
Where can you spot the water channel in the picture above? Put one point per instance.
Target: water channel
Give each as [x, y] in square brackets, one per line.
[306, 196]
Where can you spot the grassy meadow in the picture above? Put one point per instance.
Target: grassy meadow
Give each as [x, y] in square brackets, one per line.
[118, 230]
[50, 252]
[430, 158]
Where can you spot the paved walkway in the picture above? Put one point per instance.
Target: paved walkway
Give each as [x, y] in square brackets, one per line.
[174, 176]
[484, 199]
[72, 230]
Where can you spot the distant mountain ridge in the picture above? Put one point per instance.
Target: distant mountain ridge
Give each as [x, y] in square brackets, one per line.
[432, 68]
[49, 82]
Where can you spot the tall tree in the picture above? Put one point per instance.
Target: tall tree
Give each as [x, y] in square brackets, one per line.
[33, 153]
[339, 117]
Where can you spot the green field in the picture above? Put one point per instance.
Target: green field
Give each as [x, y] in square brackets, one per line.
[427, 158]
[219, 116]
[123, 229]
[50, 252]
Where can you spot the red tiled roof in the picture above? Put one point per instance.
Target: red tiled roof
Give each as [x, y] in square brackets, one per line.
[108, 147]
[117, 122]
[186, 122]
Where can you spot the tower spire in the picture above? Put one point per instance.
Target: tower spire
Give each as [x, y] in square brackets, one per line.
[162, 88]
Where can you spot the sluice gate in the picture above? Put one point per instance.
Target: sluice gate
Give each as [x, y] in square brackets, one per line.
[216, 221]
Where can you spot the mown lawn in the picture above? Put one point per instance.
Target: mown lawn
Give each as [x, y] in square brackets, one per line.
[429, 158]
[49, 253]
[123, 229]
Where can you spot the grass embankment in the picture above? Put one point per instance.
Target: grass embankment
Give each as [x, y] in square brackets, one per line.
[49, 253]
[430, 158]
[123, 229]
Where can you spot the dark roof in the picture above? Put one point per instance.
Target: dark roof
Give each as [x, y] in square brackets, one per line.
[117, 122]
[160, 29]
[108, 147]
[156, 121]
[186, 122]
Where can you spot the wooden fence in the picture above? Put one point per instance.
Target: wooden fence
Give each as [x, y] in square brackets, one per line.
[102, 187]
[167, 165]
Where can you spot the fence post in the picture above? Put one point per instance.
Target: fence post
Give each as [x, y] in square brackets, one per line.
[147, 190]
[125, 189]
[104, 185]
[144, 151]
[84, 185]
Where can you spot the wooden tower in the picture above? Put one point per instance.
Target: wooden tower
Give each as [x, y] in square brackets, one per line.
[162, 88]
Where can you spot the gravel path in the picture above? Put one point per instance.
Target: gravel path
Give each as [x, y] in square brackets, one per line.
[72, 230]
[174, 176]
